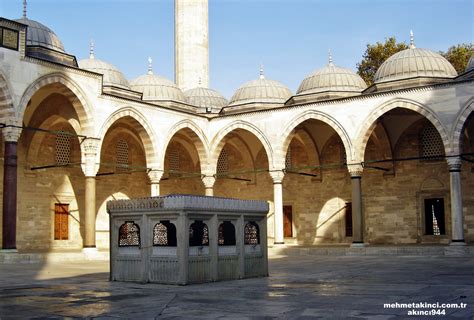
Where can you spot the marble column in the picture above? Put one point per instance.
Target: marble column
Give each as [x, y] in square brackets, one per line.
[357, 212]
[10, 137]
[155, 177]
[209, 184]
[90, 168]
[277, 177]
[457, 224]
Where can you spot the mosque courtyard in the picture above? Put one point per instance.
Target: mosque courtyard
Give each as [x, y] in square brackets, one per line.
[299, 287]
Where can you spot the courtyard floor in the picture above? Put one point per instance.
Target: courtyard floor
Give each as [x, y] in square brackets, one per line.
[299, 287]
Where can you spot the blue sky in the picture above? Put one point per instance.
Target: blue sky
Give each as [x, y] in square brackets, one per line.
[290, 37]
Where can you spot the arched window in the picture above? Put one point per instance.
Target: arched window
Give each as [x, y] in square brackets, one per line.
[252, 233]
[431, 144]
[198, 234]
[63, 148]
[164, 234]
[129, 234]
[122, 156]
[226, 234]
[223, 162]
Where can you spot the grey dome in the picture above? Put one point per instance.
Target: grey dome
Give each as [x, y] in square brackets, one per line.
[470, 64]
[155, 88]
[205, 97]
[332, 78]
[261, 91]
[40, 35]
[414, 62]
[112, 75]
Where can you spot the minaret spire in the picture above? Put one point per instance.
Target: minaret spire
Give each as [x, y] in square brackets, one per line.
[24, 9]
[262, 76]
[150, 69]
[330, 57]
[91, 49]
[412, 40]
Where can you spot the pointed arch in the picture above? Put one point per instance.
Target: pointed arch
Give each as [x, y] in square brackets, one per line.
[77, 97]
[197, 136]
[218, 141]
[144, 130]
[289, 131]
[456, 134]
[369, 123]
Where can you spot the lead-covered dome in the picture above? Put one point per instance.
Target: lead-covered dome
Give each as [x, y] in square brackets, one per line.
[414, 62]
[332, 78]
[205, 98]
[111, 74]
[156, 88]
[261, 90]
[40, 35]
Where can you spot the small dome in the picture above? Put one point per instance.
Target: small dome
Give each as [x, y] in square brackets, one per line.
[156, 88]
[40, 35]
[414, 62]
[470, 64]
[261, 91]
[112, 75]
[332, 78]
[205, 97]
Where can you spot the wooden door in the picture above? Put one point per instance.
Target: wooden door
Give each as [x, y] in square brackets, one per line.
[287, 221]
[61, 221]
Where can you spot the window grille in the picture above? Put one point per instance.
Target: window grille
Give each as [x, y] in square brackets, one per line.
[122, 156]
[164, 234]
[129, 234]
[252, 234]
[226, 234]
[223, 162]
[431, 143]
[288, 159]
[63, 148]
[198, 234]
[174, 163]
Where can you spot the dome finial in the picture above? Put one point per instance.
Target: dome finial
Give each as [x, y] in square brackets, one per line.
[262, 76]
[330, 57]
[412, 40]
[150, 69]
[24, 8]
[91, 49]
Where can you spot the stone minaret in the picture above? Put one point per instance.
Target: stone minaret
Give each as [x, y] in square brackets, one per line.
[191, 44]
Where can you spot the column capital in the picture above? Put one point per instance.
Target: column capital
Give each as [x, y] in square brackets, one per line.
[155, 175]
[209, 181]
[11, 134]
[89, 147]
[355, 169]
[454, 164]
[277, 175]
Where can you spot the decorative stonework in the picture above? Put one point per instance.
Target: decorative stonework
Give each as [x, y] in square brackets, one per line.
[11, 134]
[355, 170]
[186, 202]
[277, 176]
[454, 164]
[89, 154]
[155, 175]
[209, 181]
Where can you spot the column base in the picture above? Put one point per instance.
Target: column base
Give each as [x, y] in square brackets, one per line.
[357, 245]
[89, 249]
[457, 243]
